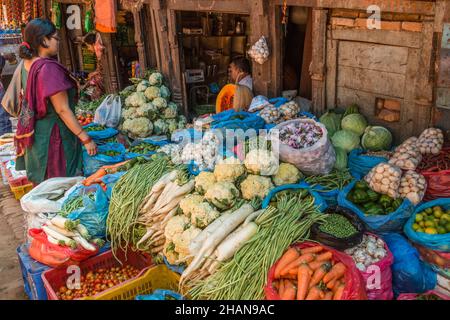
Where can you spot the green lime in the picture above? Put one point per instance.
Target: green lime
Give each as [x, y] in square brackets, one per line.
[429, 224]
[422, 224]
[436, 208]
[419, 217]
[441, 230]
[431, 231]
[415, 226]
[447, 227]
[438, 214]
[445, 217]
[428, 210]
[420, 230]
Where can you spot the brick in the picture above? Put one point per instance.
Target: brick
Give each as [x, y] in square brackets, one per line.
[412, 26]
[389, 116]
[390, 25]
[361, 23]
[342, 22]
[392, 105]
[344, 13]
[405, 17]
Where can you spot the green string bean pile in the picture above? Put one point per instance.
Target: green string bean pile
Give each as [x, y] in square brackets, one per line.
[336, 179]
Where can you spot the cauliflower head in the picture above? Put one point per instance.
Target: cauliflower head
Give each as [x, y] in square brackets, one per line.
[176, 225]
[147, 110]
[203, 215]
[189, 203]
[169, 252]
[255, 186]
[171, 111]
[136, 99]
[152, 93]
[139, 127]
[129, 113]
[160, 103]
[155, 79]
[183, 240]
[172, 125]
[182, 121]
[161, 127]
[165, 92]
[261, 162]
[204, 181]
[229, 170]
[287, 174]
[223, 195]
[144, 84]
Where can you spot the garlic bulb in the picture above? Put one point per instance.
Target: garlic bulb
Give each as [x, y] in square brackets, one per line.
[289, 110]
[270, 114]
[384, 178]
[407, 156]
[431, 141]
[413, 186]
[370, 251]
[259, 52]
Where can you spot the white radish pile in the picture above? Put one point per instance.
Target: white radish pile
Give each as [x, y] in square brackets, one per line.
[385, 178]
[413, 186]
[159, 206]
[430, 141]
[407, 156]
[259, 52]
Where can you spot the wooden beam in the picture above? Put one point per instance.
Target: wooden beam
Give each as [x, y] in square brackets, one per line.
[398, 6]
[228, 6]
[331, 80]
[155, 39]
[138, 28]
[319, 60]
[71, 1]
[277, 48]
[393, 38]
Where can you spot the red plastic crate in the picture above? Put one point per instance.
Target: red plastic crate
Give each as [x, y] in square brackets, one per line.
[14, 183]
[55, 278]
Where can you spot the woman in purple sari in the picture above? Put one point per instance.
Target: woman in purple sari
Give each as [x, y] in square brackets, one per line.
[48, 134]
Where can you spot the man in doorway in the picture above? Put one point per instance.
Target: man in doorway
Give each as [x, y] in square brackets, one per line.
[240, 72]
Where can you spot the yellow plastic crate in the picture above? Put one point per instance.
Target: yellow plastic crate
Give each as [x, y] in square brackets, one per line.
[157, 277]
[20, 191]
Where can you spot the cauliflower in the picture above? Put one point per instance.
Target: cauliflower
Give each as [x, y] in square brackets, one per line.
[129, 113]
[161, 127]
[262, 162]
[172, 125]
[139, 127]
[229, 170]
[189, 203]
[203, 215]
[255, 186]
[287, 174]
[165, 92]
[147, 110]
[152, 93]
[183, 240]
[128, 101]
[171, 111]
[155, 79]
[204, 181]
[222, 194]
[160, 103]
[176, 225]
[144, 84]
[182, 121]
[169, 252]
[136, 99]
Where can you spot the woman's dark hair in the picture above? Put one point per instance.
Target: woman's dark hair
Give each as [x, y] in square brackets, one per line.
[34, 34]
[242, 63]
[2, 63]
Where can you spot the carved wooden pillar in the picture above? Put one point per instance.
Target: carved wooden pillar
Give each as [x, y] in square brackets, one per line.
[109, 65]
[139, 39]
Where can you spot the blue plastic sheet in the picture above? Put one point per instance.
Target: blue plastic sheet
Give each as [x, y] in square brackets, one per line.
[178, 269]
[439, 242]
[92, 164]
[360, 164]
[101, 135]
[382, 223]
[161, 294]
[131, 155]
[318, 200]
[228, 120]
[110, 180]
[409, 273]
[94, 213]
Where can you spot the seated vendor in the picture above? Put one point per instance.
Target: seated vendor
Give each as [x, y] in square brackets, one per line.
[240, 72]
[242, 99]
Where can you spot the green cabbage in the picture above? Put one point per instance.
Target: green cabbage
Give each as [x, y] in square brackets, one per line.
[354, 122]
[351, 109]
[345, 139]
[341, 158]
[331, 121]
[376, 139]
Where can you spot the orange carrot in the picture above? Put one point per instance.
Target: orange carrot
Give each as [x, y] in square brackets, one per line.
[303, 278]
[315, 249]
[281, 288]
[331, 283]
[289, 291]
[328, 295]
[337, 284]
[317, 264]
[304, 258]
[324, 256]
[315, 293]
[337, 271]
[319, 274]
[289, 277]
[276, 284]
[290, 255]
[339, 291]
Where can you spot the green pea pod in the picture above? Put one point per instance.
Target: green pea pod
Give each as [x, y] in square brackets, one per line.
[88, 22]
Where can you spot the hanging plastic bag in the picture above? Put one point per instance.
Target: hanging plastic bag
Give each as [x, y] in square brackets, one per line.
[258, 103]
[429, 295]
[49, 195]
[160, 294]
[354, 284]
[259, 52]
[317, 159]
[393, 221]
[106, 133]
[94, 212]
[92, 163]
[440, 242]
[360, 164]
[409, 274]
[109, 111]
[55, 255]
[56, 15]
[88, 21]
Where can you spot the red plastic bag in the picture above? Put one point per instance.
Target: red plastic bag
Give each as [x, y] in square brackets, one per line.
[413, 296]
[438, 181]
[384, 292]
[437, 258]
[53, 255]
[354, 283]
